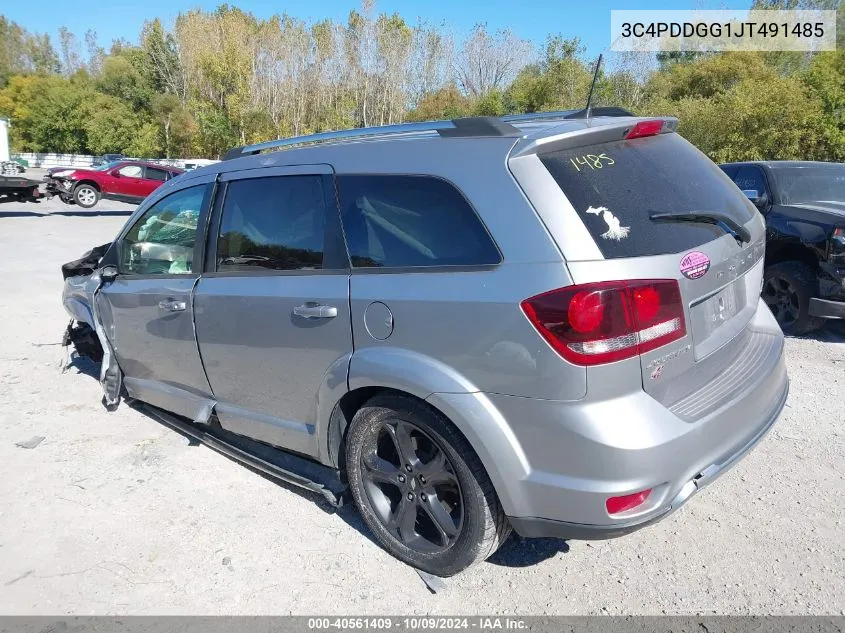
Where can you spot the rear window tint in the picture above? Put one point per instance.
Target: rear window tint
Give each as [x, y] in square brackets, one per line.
[614, 187]
[411, 221]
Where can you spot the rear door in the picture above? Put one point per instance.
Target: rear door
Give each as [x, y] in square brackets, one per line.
[613, 188]
[154, 178]
[147, 310]
[272, 310]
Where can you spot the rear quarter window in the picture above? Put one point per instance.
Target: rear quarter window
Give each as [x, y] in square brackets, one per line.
[411, 221]
[614, 187]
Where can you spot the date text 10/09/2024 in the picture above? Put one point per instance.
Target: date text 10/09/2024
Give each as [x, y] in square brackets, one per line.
[477, 623]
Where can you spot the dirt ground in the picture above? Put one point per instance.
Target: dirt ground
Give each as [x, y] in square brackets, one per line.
[112, 513]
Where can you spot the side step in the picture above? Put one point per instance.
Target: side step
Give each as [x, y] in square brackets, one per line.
[282, 465]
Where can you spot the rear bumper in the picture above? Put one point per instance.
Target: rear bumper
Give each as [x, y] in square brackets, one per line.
[533, 527]
[827, 309]
[559, 461]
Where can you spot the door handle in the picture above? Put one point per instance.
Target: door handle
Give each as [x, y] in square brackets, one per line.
[171, 305]
[315, 311]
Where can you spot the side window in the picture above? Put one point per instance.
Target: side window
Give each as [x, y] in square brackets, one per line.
[162, 240]
[411, 221]
[277, 223]
[153, 173]
[131, 171]
[750, 177]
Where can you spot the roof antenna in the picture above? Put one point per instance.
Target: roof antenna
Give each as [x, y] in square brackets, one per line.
[589, 109]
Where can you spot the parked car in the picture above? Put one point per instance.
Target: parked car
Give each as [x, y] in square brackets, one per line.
[195, 163]
[105, 159]
[481, 325]
[804, 206]
[127, 181]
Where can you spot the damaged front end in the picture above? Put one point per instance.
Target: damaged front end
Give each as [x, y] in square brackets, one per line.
[58, 186]
[84, 279]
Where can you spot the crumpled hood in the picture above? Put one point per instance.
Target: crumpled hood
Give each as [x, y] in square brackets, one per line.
[833, 207]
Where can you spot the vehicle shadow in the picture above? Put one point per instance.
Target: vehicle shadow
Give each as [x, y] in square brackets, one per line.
[523, 552]
[516, 552]
[83, 365]
[832, 332]
[32, 214]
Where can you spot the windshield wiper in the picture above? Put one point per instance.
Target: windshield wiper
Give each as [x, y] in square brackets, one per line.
[722, 220]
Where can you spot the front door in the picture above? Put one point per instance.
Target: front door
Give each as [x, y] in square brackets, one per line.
[147, 311]
[127, 182]
[272, 310]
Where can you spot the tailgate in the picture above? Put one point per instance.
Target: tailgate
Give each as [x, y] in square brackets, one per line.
[614, 188]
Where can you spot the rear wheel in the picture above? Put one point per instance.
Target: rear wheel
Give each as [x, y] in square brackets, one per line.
[421, 488]
[86, 196]
[787, 290]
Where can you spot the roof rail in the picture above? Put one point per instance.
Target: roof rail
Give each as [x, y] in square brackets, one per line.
[469, 126]
[565, 114]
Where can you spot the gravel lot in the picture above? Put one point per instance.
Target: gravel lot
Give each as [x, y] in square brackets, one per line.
[116, 514]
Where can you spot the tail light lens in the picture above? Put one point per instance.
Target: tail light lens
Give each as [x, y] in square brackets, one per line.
[598, 323]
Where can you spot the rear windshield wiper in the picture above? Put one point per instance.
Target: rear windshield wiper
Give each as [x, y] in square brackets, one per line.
[722, 220]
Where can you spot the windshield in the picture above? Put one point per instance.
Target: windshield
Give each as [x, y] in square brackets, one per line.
[810, 183]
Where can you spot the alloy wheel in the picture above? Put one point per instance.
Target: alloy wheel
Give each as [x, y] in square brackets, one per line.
[412, 487]
[783, 300]
[86, 195]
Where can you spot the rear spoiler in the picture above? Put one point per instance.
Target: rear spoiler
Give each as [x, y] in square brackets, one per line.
[606, 132]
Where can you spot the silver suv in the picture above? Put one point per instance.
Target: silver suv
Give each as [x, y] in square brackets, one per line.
[547, 323]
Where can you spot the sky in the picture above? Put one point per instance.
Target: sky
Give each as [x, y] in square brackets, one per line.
[529, 19]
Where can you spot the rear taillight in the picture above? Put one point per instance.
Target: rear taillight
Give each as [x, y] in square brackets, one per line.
[608, 321]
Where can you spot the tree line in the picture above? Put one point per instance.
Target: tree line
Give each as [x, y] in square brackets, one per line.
[216, 79]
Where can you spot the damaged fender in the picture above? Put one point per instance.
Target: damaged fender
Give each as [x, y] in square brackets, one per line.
[84, 280]
[111, 377]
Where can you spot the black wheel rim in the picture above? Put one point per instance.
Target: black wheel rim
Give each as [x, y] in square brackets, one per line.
[782, 298]
[412, 487]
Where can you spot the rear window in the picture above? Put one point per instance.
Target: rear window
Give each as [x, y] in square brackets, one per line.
[615, 186]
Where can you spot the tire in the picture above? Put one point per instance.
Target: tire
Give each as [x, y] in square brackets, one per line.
[787, 290]
[86, 196]
[463, 499]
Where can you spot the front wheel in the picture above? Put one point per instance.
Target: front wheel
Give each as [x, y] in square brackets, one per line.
[86, 196]
[787, 290]
[421, 488]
